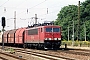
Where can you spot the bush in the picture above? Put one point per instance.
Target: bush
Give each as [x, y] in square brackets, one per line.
[88, 44]
[69, 43]
[84, 43]
[77, 43]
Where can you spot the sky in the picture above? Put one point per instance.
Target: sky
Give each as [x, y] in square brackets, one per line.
[46, 10]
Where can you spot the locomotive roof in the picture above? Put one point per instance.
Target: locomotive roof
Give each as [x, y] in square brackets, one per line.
[43, 26]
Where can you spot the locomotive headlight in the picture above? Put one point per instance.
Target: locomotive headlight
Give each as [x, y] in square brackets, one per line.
[59, 38]
[55, 38]
[49, 38]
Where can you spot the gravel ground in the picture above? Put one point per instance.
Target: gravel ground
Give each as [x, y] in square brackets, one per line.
[30, 57]
[4, 56]
[26, 56]
[9, 58]
[21, 55]
[77, 57]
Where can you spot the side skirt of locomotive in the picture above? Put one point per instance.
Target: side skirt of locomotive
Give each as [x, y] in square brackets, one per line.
[33, 45]
[48, 44]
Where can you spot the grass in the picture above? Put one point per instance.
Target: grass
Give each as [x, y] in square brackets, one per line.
[77, 43]
[11, 50]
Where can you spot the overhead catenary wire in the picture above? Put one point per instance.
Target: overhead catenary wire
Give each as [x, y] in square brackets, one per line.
[41, 15]
[44, 8]
[48, 13]
[5, 8]
[28, 8]
[32, 7]
[20, 3]
[37, 5]
[4, 3]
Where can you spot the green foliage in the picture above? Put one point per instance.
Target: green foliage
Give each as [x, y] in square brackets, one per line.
[77, 43]
[65, 19]
[68, 14]
[11, 50]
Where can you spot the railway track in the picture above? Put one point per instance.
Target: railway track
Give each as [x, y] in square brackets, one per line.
[1, 58]
[43, 55]
[55, 54]
[73, 51]
[8, 56]
[78, 53]
[81, 52]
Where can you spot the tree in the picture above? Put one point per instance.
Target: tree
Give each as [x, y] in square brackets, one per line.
[69, 14]
[65, 19]
[85, 16]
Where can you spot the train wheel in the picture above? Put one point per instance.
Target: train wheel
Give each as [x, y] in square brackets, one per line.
[24, 46]
[37, 46]
[42, 46]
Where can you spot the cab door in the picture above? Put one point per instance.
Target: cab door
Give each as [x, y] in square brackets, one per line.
[41, 35]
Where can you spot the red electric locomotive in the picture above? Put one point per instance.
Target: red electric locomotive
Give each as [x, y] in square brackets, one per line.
[48, 36]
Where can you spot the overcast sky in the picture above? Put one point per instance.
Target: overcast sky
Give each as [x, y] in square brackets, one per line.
[39, 7]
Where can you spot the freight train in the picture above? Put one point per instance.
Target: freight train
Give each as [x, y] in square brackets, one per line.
[37, 36]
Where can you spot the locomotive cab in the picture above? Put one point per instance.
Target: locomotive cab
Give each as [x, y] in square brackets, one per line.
[52, 36]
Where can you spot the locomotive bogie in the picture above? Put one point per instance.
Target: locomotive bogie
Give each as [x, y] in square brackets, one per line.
[52, 44]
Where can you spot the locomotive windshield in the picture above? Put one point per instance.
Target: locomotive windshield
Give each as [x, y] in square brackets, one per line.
[56, 29]
[52, 29]
[48, 29]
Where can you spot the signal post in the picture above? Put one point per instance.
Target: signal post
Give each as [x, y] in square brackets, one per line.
[3, 25]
